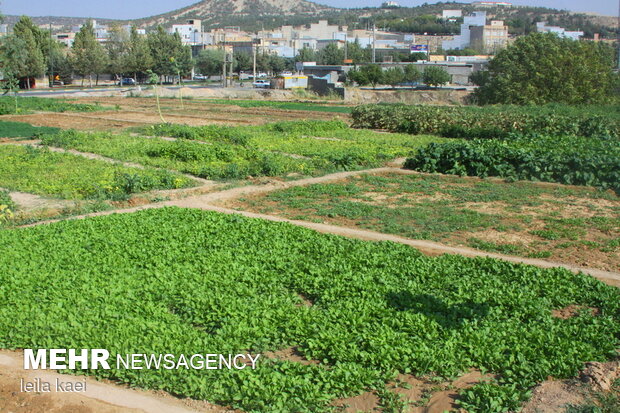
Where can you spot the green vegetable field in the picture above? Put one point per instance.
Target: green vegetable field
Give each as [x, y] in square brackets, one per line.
[39, 171]
[216, 152]
[364, 310]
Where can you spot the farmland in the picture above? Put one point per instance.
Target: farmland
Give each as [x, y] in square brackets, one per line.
[572, 224]
[372, 310]
[39, 171]
[341, 323]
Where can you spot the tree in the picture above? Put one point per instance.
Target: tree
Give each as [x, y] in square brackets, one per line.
[117, 47]
[393, 76]
[13, 60]
[242, 62]
[306, 55]
[138, 58]
[169, 55]
[209, 61]
[357, 53]
[88, 55]
[435, 76]
[543, 67]
[367, 75]
[331, 55]
[34, 66]
[412, 74]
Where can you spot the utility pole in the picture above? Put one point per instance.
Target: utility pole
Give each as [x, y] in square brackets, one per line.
[374, 47]
[224, 79]
[254, 61]
[51, 59]
[346, 47]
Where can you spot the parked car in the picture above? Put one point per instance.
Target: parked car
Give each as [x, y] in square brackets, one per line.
[200, 77]
[262, 84]
[127, 81]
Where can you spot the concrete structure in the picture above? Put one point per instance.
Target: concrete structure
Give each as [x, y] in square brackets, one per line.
[451, 14]
[491, 4]
[389, 4]
[463, 40]
[542, 27]
[191, 32]
[489, 38]
[66, 38]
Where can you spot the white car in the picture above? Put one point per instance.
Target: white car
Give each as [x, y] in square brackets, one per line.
[200, 77]
[262, 84]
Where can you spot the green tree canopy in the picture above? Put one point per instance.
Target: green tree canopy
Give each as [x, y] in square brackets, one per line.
[117, 47]
[138, 58]
[209, 62]
[542, 68]
[393, 76]
[31, 36]
[88, 55]
[435, 76]
[367, 75]
[169, 54]
[331, 55]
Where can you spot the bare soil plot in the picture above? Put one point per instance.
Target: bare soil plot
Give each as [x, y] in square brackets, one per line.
[580, 226]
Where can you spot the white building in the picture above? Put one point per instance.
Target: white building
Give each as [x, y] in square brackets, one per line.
[451, 14]
[191, 32]
[542, 27]
[463, 40]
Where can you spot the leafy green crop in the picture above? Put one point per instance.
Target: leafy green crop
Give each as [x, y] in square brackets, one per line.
[39, 171]
[492, 121]
[188, 281]
[23, 130]
[566, 160]
[331, 141]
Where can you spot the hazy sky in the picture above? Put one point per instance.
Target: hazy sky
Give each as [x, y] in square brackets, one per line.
[122, 9]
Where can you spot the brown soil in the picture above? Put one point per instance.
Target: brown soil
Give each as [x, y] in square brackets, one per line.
[143, 111]
[98, 397]
[554, 396]
[365, 402]
[572, 310]
[290, 354]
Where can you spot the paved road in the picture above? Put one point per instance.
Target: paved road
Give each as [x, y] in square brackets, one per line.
[66, 91]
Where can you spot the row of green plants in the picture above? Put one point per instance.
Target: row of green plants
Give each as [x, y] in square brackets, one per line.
[11, 105]
[562, 159]
[332, 141]
[220, 159]
[228, 284]
[40, 171]
[308, 106]
[491, 121]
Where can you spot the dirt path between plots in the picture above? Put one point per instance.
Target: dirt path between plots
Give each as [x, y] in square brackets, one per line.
[210, 202]
[98, 396]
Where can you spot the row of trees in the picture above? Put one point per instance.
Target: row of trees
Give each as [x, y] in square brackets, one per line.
[374, 75]
[30, 52]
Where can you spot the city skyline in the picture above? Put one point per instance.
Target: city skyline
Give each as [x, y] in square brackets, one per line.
[117, 9]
